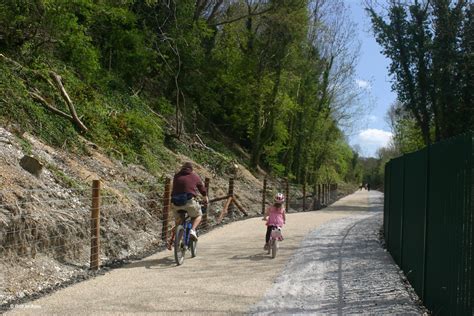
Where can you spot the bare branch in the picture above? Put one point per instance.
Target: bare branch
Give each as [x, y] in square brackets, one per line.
[36, 96]
[243, 17]
[67, 99]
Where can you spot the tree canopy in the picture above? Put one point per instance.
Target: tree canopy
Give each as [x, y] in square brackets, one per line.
[277, 77]
[430, 45]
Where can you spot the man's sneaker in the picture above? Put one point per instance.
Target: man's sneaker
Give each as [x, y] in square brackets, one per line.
[193, 235]
[266, 247]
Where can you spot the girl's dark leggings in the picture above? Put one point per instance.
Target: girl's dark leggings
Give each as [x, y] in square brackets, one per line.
[269, 232]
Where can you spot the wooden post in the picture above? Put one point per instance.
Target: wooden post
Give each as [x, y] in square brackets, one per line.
[231, 186]
[315, 191]
[95, 226]
[319, 195]
[225, 209]
[264, 194]
[239, 206]
[304, 196]
[320, 198]
[330, 193]
[287, 194]
[204, 216]
[231, 193]
[219, 199]
[166, 208]
[327, 194]
[323, 194]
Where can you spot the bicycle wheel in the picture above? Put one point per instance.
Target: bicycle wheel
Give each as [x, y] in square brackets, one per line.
[274, 248]
[179, 246]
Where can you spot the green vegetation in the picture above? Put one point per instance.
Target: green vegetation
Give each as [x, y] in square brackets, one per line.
[274, 77]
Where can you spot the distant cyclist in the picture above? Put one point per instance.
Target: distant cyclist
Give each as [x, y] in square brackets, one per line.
[186, 183]
[275, 216]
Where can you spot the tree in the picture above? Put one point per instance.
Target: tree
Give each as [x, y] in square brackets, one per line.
[428, 61]
[406, 136]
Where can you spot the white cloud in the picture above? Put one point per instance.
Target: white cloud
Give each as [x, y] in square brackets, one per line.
[363, 84]
[373, 118]
[370, 140]
[375, 136]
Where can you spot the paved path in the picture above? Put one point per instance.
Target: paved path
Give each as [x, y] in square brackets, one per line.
[329, 262]
[341, 269]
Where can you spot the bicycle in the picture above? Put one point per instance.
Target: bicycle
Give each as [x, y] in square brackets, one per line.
[183, 240]
[275, 237]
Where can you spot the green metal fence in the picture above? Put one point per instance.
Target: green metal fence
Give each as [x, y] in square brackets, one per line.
[428, 223]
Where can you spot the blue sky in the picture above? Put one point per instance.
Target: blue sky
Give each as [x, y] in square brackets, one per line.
[372, 74]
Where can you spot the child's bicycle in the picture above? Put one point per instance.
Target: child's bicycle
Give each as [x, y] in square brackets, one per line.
[183, 240]
[275, 237]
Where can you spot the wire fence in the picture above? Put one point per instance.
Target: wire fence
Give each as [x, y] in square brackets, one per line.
[34, 223]
[112, 221]
[299, 197]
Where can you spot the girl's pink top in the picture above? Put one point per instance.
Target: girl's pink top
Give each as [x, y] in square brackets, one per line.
[275, 217]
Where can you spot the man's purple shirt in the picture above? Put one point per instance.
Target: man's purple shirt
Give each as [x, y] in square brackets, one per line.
[186, 181]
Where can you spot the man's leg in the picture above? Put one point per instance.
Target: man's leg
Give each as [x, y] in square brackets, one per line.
[195, 213]
[177, 221]
[196, 221]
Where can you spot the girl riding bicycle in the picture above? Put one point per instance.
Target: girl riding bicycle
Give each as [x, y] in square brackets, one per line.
[275, 216]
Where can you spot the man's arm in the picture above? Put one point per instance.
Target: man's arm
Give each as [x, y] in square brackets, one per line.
[202, 189]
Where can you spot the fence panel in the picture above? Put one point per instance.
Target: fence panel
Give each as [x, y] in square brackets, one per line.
[396, 209]
[386, 213]
[449, 246]
[428, 223]
[414, 207]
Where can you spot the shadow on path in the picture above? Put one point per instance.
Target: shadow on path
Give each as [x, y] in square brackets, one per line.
[162, 263]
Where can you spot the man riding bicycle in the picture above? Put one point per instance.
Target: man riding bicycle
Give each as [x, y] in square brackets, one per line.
[183, 196]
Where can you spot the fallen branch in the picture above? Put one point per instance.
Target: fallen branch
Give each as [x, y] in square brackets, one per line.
[157, 114]
[17, 64]
[57, 80]
[46, 104]
[57, 83]
[201, 143]
[200, 140]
